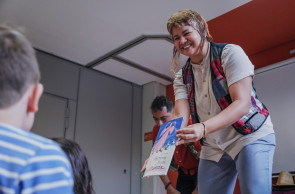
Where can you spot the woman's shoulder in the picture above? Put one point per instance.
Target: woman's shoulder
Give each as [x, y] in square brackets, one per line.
[233, 51]
[179, 72]
[232, 48]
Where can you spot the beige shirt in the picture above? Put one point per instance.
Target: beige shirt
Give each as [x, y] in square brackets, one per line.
[236, 66]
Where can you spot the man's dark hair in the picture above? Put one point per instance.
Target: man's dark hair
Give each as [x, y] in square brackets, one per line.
[160, 102]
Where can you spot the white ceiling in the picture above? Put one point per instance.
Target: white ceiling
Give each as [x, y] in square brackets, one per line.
[126, 39]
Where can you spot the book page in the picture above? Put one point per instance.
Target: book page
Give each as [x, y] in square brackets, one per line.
[163, 149]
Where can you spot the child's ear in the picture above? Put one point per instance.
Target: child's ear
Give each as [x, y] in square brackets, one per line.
[35, 97]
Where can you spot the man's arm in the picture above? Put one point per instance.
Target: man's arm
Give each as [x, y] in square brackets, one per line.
[166, 181]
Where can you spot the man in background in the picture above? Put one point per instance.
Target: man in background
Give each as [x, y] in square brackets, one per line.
[28, 163]
[185, 158]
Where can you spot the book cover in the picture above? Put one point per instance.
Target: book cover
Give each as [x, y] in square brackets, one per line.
[163, 149]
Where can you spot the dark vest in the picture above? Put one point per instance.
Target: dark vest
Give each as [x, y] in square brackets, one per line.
[250, 122]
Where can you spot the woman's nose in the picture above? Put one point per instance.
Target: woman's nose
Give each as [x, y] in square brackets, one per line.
[182, 40]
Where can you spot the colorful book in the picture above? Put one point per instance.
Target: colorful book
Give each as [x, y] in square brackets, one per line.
[163, 149]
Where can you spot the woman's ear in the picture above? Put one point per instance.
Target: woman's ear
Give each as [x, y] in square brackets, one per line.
[34, 98]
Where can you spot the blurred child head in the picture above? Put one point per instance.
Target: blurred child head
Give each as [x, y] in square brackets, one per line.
[19, 78]
[82, 175]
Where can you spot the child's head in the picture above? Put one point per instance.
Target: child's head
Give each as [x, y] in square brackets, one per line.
[188, 17]
[18, 66]
[19, 78]
[81, 171]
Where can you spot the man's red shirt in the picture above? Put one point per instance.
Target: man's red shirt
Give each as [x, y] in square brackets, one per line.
[182, 156]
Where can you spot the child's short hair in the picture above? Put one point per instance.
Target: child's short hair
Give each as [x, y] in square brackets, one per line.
[18, 66]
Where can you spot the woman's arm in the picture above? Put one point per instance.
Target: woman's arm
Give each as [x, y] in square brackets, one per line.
[240, 93]
[182, 109]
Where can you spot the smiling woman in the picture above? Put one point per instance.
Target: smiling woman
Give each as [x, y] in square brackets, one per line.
[215, 87]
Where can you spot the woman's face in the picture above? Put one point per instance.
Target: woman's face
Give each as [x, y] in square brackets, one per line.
[187, 41]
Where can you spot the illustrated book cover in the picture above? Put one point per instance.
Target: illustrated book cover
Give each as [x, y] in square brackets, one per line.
[163, 149]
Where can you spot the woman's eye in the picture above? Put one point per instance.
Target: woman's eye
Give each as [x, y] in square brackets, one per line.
[176, 38]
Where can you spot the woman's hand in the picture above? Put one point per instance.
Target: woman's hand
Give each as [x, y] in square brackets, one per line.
[191, 133]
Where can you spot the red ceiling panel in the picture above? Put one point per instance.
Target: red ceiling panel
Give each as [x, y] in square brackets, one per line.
[264, 28]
